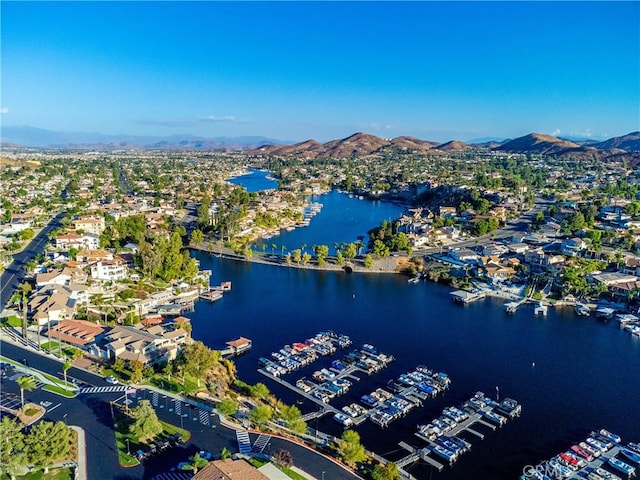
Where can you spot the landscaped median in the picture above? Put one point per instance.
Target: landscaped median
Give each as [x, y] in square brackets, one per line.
[52, 384]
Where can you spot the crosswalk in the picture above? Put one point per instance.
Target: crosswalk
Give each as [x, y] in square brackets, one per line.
[204, 417]
[261, 442]
[244, 442]
[178, 407]
[154, 399]
[111, 389]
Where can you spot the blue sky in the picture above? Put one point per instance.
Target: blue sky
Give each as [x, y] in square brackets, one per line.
[320, 70]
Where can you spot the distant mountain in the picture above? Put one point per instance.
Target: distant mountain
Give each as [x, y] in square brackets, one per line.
[38, 137]
[628, 143]
[487, 140]
[452, 146]
[356, 145]
[539, 143]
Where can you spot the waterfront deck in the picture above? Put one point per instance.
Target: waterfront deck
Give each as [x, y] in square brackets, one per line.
[464, 297]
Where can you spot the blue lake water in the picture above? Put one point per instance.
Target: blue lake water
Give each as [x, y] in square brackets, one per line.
[586, 374]
[341, 219]
[255, 181]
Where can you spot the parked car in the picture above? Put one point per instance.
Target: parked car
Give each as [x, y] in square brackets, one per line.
[112, 380]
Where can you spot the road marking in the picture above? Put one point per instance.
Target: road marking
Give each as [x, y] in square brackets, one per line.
[54, 407]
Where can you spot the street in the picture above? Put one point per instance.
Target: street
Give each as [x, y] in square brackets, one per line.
[13, 276]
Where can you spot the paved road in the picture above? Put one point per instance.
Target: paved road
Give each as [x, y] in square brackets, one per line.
[92, 412]
[13, 276]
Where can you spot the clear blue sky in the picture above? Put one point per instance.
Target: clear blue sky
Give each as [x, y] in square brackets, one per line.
[319, 70]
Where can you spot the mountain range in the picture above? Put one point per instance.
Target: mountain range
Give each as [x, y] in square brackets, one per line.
[362, 144]
[28, 136]
[356, 145]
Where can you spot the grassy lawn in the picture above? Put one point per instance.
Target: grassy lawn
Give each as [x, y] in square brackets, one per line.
[259, 462]
[49, 346]
[54, 474]
[291, 474]
[59, 390]
[12, 321]
[128, 459]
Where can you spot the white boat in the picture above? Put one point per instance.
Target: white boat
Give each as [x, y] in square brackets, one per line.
[582, 310]
[343, 419]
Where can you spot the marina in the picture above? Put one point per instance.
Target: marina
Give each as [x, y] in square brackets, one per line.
[381, 406]
[601, 456]
[468, 343]
[442, 434]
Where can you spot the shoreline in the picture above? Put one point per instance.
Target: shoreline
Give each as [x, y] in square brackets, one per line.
[387, 265]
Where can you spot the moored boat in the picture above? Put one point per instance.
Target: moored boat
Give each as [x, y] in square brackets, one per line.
[631, 455]
[619, 465]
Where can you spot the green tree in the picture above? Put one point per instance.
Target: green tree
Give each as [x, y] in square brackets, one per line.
[306, 257]
[145, 423]
[297, 256]
[136, 367]
[197, 236]
[65, 366]
[339, 258]
[260, 414]
[196, 462]
[380, 250]
[260, 390]
[322, 252]
[227, 407]
[350, 251]
[386, 472]
[47, 443]
[224, 453]
[197, 359]
[350, 449]
[368, 260]
[12, 441]
[26, 383]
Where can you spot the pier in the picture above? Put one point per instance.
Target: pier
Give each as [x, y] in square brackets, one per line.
[441, 435]
[586, 466]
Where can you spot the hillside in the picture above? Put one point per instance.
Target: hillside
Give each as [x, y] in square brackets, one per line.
[628, 143]
[539, 143]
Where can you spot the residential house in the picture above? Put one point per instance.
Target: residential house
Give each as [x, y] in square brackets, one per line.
[90, 224]
[573, 246]
[130, 343]
[51, 305]
[109, 270]
[61, 276]
[69, 240]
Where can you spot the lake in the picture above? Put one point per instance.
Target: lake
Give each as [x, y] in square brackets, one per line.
[586, 374]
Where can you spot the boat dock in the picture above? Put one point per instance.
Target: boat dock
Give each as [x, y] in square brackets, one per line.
[464, 297]
[598, 456]
[441, 435]
[326, 408]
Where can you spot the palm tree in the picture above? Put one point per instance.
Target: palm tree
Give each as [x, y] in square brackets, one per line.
[65, 366]
[27, 383]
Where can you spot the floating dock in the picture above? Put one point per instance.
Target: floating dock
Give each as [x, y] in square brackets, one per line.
[596, 462]
[441, 435]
